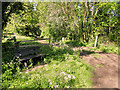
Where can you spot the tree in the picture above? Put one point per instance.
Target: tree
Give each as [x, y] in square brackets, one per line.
[79, 21]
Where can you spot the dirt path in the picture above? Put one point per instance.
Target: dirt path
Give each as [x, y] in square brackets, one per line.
[106, 65]
[106, 68]
[32, 69]
[106, 73]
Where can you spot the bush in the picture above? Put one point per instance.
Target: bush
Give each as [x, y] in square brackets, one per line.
[9, 70]
[109, 49]
[58, 54]
[9, 65]
[76, 43]
[105, 50]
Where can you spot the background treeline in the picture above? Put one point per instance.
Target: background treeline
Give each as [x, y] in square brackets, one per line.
[78, 21]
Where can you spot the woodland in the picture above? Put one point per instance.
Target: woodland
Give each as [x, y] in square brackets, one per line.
[79, 40]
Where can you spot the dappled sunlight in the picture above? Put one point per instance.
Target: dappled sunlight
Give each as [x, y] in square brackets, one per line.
[60, 44]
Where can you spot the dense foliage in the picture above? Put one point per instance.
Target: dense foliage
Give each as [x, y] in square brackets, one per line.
[80, 21]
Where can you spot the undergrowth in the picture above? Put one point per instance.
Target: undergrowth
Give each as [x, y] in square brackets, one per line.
[106, 48]
[65, 70]
[71, 73]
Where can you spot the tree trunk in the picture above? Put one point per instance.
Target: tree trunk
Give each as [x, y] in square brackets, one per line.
[92, 20]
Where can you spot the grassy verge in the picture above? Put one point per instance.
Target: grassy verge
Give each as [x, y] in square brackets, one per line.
[24, 38]
[29, 43]
[19, 38]
[106, 48]
[66, 74]
[65, 70]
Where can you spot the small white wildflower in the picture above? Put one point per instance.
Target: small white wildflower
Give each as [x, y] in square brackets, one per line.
[67, 54]
[63, 73]
[53, 64]
[68, 86]
[37, 75]
[46, 69]
[69, 76]
[53, 67]
[68, 70]
[50, 83]
[57, 86]
[65, 78]
[70, 58]
[26, 82]
[26, 72]
[73, 77]
[10, 62]
[23, 76]
[49, 80]
[20, 72]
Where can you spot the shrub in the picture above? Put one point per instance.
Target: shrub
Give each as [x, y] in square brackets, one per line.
[9, 70]
[76, 43]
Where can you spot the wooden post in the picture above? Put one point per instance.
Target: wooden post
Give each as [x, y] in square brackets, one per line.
[63, 39]
[96, 41]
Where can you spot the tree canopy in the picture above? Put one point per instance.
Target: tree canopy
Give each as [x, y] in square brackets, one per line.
[73, 20]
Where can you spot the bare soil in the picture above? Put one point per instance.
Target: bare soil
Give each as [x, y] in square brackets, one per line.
[106, 68]
[32, 69]
[106, 73]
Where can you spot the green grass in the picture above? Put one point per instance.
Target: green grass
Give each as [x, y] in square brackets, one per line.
[29, 43]
[57, 74]
[96, 55]
[19, 38]
[75, 43]
[65, 69]
[106, 48]
[98, 65]
[110, 49]
[24, 38]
